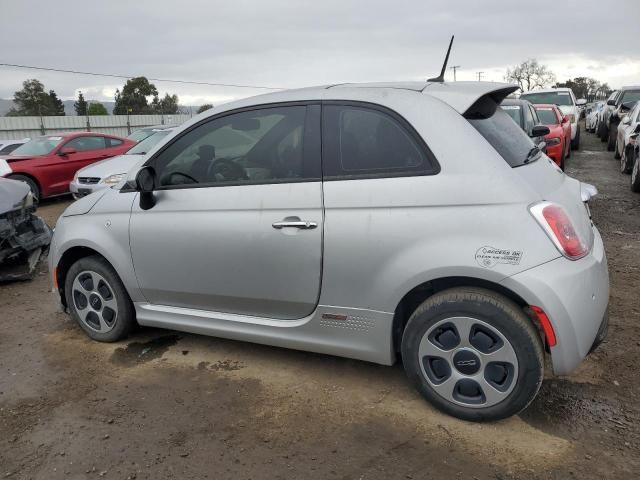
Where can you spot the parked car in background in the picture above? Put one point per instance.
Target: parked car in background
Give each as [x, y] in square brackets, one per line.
[107, 173]
[371, 221]
[142, 133]
[605, 113]
[8, 146]
[566, 100]
[620, 104]
[523, 113]
[624, 143]
[47, 164]
[558, 139]
[593, 115]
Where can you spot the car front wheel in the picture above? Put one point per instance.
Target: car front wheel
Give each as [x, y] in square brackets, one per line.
[575, 143]
[473, 354]
[635, 172]
[98, 300]
[626, 159]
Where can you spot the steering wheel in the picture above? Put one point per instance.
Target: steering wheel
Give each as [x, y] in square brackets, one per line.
[170, 181]
[228, 170]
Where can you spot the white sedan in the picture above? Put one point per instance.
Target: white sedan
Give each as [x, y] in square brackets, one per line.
[624, 142]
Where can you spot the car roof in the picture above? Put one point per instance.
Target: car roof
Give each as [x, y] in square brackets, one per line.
[549, 90]
[514, 101]
[630, 87]
[458, 95]
[78, 134]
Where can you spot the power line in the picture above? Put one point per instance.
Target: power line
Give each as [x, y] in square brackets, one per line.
[113, 75]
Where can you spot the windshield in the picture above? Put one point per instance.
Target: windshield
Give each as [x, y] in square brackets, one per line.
[148, 143]
[141, 134]
[514, 112]
[547, 116]
[509, 140]
[38, 146]
[557, 98]
[630, 96]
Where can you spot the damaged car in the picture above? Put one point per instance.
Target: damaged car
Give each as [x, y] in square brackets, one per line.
[24, 237]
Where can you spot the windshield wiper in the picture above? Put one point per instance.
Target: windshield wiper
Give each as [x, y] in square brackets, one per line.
[532, 154]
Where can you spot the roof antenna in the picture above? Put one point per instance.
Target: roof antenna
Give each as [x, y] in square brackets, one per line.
[440, 78]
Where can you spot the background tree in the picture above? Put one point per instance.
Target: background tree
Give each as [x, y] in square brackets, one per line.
[97, 109]
[204, 107]
[32, 100]
[166, 105]
[586, 87]
[134, 97]
[530, 74]
[56, 107]
[80, 106]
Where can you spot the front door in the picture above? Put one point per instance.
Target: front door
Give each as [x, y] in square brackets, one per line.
[87, 149]
[238, 219]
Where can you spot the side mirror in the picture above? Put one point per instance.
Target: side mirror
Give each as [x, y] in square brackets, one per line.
[564, 119]
[539, 131]
[611, 102]
[146, 184]
[626, 120]
[637, 129]
[66, 151]
[581, 101]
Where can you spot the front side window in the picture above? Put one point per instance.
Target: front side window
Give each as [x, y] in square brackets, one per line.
[258, 146]
[557, 98]
[630, 96]
[361, 141]
[85, 144]
[148, 143]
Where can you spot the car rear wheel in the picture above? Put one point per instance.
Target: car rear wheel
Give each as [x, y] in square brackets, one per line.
[616, 151]
[33, 186]
[635, 172]
[626, 159]
[611, 140]
[473, 354]
[575, 143]
[98, 300]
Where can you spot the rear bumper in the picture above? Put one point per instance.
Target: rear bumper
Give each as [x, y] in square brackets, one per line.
[575, 296]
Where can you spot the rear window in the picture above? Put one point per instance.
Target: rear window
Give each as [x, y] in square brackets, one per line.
[509, 140]
[557, 98]
[547, 116]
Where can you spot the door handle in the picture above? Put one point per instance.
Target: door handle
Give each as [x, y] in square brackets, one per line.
[294, 222]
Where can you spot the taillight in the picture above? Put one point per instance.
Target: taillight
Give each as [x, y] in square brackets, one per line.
[558, 226]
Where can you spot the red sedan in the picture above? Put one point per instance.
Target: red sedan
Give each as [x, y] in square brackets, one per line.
[558, 139]
[47, 164]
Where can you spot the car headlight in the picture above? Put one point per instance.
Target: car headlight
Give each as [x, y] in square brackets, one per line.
[26, 202]
[113, 179]
[553, 141]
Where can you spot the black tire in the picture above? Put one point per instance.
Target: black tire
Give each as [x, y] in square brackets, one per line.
[603, 132]
[568, 148]
[562, 158]
[501, 314]
[35, 189]
[575, 143]
[611, 140]
[124, 321]
[616, 153]
[626, 161]
[635, 172]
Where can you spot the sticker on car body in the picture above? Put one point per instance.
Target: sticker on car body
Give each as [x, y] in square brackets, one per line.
[489, 257]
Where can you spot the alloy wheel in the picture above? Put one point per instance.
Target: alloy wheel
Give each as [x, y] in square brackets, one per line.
[468, 362]
[94, 301]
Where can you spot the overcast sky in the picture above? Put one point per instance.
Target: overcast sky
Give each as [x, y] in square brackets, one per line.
[299, 43]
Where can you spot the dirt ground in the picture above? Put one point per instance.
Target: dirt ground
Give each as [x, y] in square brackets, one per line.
[173, 405]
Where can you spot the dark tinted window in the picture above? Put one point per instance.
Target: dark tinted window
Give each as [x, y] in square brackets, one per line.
[509, 140]
[258, 146]
[84, 144]
[113, 142]
[629, 96]
[515, 112]
[361, 141]
[547, 116]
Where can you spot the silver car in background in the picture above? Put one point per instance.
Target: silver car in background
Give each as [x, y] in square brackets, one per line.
[112, 171]
[378, 222]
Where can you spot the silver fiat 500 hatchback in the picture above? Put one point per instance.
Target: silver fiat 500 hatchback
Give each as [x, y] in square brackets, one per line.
[376, 221]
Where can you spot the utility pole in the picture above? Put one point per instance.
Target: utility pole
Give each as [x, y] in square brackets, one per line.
[454, 68]
[479, 76]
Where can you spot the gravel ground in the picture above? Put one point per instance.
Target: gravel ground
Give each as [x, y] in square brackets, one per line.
[173, 405]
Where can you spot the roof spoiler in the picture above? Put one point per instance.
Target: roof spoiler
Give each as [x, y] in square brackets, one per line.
[486, 105]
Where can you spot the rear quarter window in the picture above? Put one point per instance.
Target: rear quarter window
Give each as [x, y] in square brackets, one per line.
[506, 137]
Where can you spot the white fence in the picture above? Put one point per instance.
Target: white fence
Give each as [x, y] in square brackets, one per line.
[121, 125]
